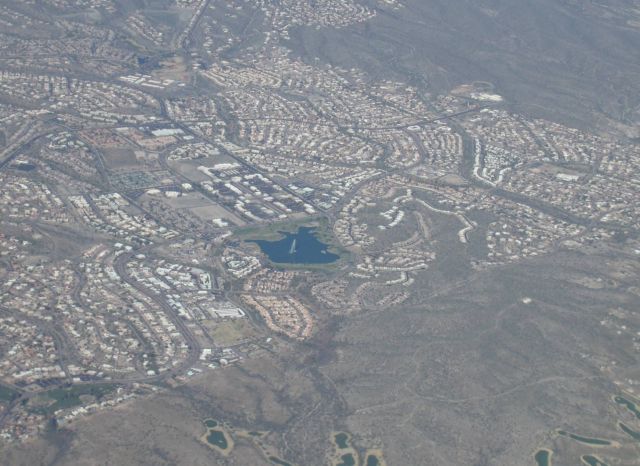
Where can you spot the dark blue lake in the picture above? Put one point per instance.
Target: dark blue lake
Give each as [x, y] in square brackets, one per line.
[301, 247]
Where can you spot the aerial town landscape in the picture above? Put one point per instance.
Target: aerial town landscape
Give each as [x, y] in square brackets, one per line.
[306, 232]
